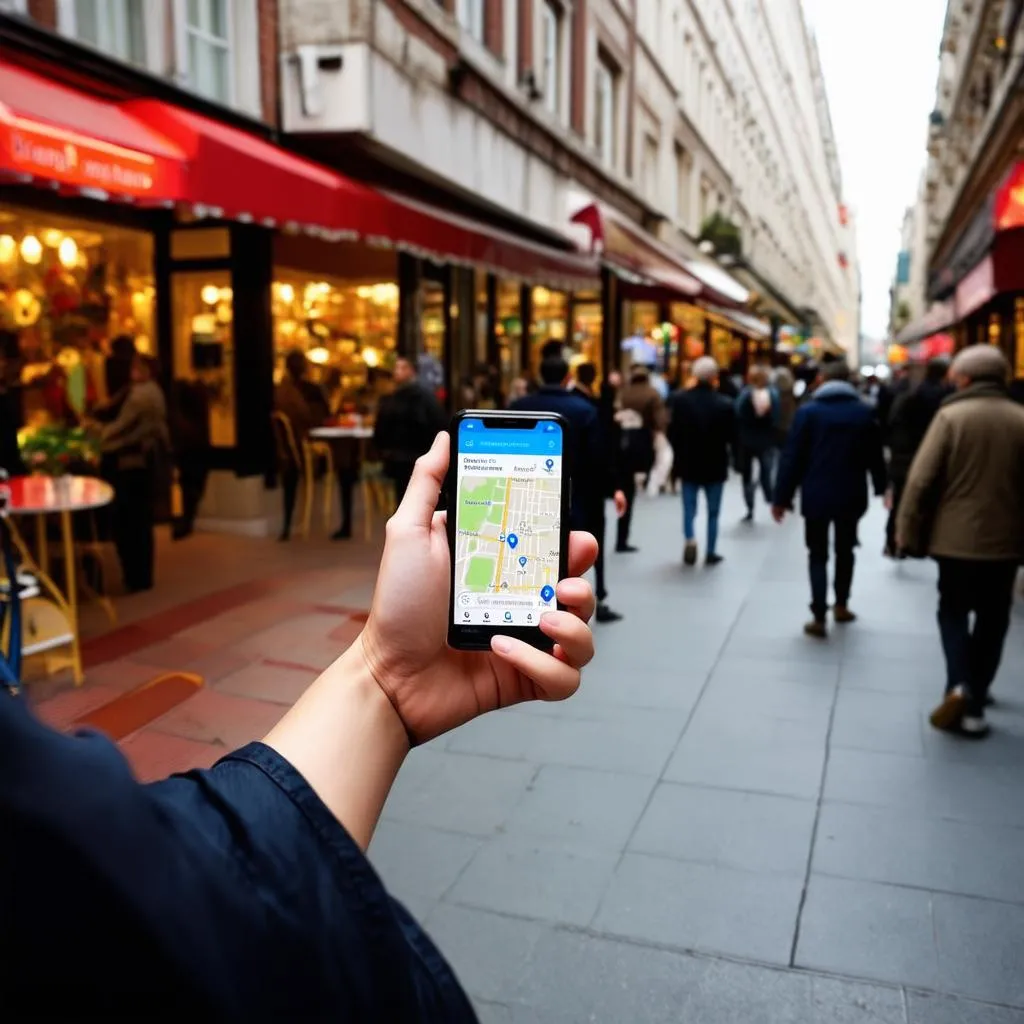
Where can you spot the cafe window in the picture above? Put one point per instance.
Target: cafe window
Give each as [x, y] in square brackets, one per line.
[204, 344]
[550, 316]
[509, 332]
[587, 320]
[68, 287]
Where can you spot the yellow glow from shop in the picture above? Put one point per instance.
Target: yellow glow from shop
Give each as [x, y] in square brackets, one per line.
[210, 294]
[8, 247]
[541, 296]
[67, 252]
[371, 356]
[318, 355]
[31, 249]
[286, 293]
[225, 295]
[52, 238]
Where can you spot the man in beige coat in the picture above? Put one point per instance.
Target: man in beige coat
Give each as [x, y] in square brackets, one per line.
[964, 506]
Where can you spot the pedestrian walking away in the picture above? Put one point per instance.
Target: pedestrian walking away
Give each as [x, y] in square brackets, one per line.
[641, 416]
[911, 416]
[407, 421]
[615, 484]
[757, 414]
[834, 447]
[963, 505]
[702, 432]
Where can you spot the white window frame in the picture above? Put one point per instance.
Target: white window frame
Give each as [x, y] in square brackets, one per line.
[606, 88]
[551, 35]
[152, 28]
[243, 54]
[14, 6]
[472, 15]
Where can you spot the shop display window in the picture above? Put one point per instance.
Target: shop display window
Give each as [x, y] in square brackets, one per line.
[204, 344]
[68, 287]
[550, 321]
[347, 329]
[586, 329]
[509, 332]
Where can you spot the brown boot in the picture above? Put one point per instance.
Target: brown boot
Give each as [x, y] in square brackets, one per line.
[842, 615]
[816, 629]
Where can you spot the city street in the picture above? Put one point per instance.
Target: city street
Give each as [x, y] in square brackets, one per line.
[728, 823]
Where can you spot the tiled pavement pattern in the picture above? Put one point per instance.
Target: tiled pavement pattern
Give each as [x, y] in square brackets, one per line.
[728, 825]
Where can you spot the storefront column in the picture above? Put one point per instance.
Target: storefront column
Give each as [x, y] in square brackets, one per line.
[609, 320]
[526, 315]
[407, 341]
[491, 311]
[708, 347]
[252, 272]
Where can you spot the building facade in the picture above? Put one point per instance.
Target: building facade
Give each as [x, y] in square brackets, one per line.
[971, 237]
[681, 115]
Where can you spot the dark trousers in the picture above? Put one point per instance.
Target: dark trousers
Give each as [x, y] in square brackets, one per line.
[596, 525]
[192, 474]
[625, 521]
[765, 461]
[400, 474]
[973, 653]
[890, 526]
[133, 515]
[816, 532]
[290, 490]
[347, 478]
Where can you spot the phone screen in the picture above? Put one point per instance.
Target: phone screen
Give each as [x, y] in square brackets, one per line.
[507, 538]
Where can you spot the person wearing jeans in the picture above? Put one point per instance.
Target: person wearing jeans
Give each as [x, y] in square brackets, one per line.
[835, 444]
[757, 419]
[963, 504]
[702, 432]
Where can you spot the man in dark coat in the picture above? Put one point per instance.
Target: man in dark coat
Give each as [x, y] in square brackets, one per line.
[834, 446]
[584, 447]
[408, 420]
[911, 416]
[702, 430]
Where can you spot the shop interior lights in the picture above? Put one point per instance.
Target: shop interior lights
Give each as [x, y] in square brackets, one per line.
[31, 249]
[8, 249]
[67, 252]
[210, 294]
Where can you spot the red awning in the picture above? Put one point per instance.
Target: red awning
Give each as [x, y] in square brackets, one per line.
[433, 232]
[53, 133]
[234, 174]
[650, 265]
[940, 317]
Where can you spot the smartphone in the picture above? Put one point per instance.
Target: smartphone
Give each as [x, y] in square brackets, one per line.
[508, 525]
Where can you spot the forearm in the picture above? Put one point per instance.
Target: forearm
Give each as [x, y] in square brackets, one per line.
[347, 741]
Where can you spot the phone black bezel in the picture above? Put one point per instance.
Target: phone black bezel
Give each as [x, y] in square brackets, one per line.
[476, 637]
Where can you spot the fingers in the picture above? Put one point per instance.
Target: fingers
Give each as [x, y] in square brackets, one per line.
[553, 679]
[582, 552]
[420, 501]
[572, 634]
[578, 597]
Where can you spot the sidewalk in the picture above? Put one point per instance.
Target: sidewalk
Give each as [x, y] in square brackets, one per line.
[729, 823]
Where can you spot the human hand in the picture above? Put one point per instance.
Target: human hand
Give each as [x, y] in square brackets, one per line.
[778, 513]
[887, 500]
[404, 644]
[620, 503]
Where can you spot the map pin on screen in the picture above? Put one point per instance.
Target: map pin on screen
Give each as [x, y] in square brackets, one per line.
[513, 541]
[549, 463]
[522, 559]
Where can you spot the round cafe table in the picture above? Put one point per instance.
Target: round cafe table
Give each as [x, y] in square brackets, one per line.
[361, 434]
[41, 496]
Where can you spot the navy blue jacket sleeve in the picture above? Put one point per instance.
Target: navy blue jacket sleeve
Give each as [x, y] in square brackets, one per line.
[223, 894]
[793, 464]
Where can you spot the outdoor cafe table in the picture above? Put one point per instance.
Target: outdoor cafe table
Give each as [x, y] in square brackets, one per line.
[41, 496]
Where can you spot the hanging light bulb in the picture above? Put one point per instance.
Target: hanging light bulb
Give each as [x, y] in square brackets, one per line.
[318, 355]
[286, 293]
[210, 294]
[52, 238]
[8, 248]
[67, 252]
[31, 249]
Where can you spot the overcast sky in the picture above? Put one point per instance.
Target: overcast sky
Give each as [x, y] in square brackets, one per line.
[880, 59]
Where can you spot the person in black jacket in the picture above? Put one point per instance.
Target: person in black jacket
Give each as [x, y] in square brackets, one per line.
[702, 432]
[408, 420]
[615, 488]
[912, 415]
[242, 892]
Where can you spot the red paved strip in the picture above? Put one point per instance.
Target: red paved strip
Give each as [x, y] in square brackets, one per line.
[292, 666]
[137, 708]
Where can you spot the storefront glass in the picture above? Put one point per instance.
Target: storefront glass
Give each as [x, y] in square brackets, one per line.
[509, 331]
[550, 316]
[586, 329]
[204, 345]
[68, 286]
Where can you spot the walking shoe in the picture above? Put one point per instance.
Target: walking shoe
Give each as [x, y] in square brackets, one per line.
[605, 614]
[973, 727]
[950, 713]
[842, 614]
[626, 549]
[817, 629]
[889, 551]
[749, 517]
[713, 560]
[690, 553]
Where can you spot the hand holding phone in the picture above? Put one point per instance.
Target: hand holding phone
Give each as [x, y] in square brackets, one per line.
[508, 514]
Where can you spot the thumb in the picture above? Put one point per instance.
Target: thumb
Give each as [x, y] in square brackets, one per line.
[420, 501]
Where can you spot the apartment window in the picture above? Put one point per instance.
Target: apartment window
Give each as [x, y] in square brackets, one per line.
[471, 17]
[605, 97]
[551, 25]
[683, 186]
[649, 168]
[208, 32]
[116, 27]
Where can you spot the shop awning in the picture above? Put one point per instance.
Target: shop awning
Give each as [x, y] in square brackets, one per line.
[431, 232]
[718, 286]
[744, 322]
[234, 174]
[650, 266]
[940, 317]
[55, 134]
